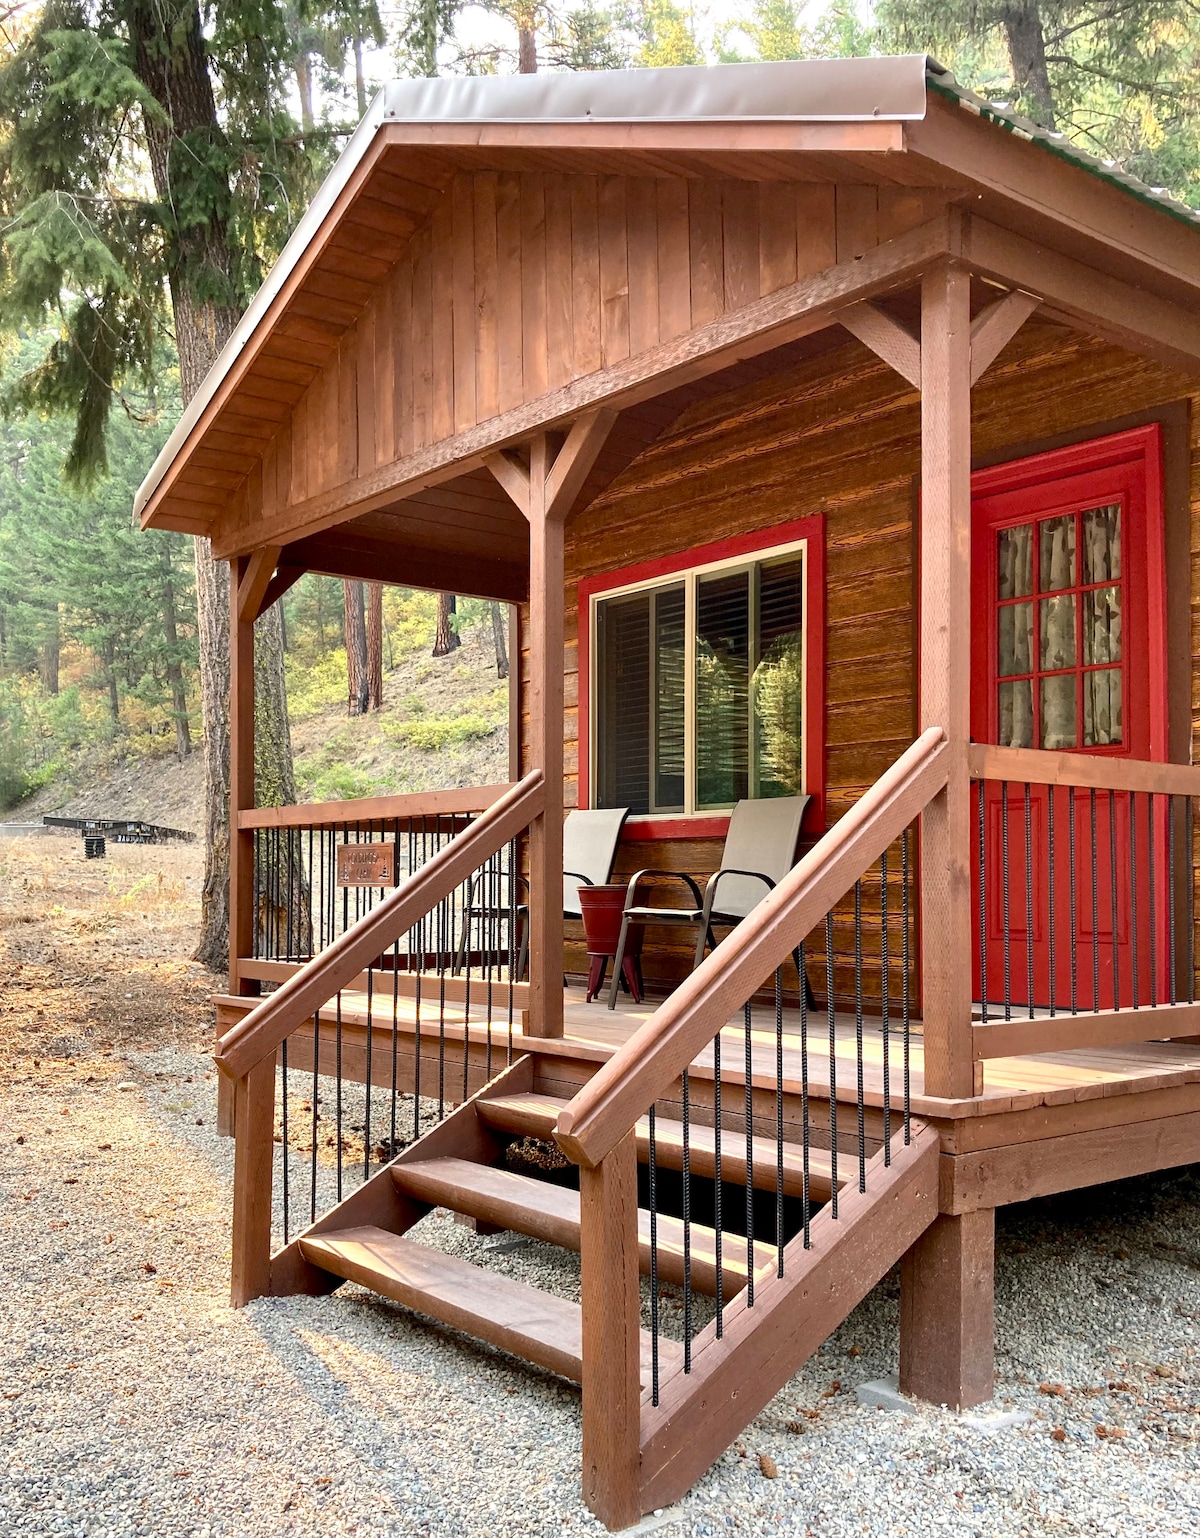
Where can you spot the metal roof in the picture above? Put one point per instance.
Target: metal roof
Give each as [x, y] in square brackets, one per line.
[891, 89]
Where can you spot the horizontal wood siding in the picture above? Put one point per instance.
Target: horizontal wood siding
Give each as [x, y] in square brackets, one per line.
[838, 436]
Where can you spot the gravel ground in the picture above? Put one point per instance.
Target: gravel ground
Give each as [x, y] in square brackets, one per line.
[136, 1402]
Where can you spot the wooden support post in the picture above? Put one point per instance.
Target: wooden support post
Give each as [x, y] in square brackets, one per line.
[254, 1152]
[241, 798]
[611, 1297]
[546, 642]
[947, 1316]
[945, 647]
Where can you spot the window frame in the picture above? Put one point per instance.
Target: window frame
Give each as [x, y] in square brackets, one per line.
[802, 534]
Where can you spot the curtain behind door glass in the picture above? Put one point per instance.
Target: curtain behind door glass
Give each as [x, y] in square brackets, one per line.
[778, 683]
[722, 689]
[623, 716]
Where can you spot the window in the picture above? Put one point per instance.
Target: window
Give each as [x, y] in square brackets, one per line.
[699, 685]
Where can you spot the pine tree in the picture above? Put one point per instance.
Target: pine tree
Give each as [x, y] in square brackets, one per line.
[91, 93]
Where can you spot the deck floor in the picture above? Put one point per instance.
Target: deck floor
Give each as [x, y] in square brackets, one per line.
[1010, 1084]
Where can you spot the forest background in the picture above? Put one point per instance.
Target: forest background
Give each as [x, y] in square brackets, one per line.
[155, 154]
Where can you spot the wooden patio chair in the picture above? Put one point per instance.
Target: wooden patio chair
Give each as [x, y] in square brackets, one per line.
[590, 839]
[760, 849]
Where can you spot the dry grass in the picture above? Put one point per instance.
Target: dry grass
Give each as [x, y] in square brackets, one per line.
[94, 954]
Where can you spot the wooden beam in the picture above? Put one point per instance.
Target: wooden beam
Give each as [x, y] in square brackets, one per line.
[945, 676]
[382, 560]
[1101, 1028]
[255, 579]
[1134, 318]
[574, 461]
[1086, 771]
[512, 476]
[283, 581]
[1019, 1172]
[547, 578]
[611, 1306]
[947, 1312]
[994, 328]
[795, 311]
[886, 338]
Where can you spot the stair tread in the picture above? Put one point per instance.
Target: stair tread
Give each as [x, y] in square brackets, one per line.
[525, 1321]
[551, 1212]
[537, 1114]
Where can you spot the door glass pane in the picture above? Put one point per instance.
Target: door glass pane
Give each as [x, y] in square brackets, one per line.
[1058, 632]
[1016, 714]
[1102, 625]
[1102, 544]
[623, 706]
[778, 682]
[1058, 712]
[669, 674]
[1015, 627]
[722, 689]
[1057, 553]
[1102, 708]
[1015, 556]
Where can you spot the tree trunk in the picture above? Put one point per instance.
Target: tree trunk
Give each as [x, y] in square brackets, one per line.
[527, 40]
[445, 637]
[374, 646]
[171, 61]
[109, 659]
[1026, 39]
[360, 82]
[286, 885]
[499, 638]
[356, 648]
[304, 91]
[179, 711]
[50, 654]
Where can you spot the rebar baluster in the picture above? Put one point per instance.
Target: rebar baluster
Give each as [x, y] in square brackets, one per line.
[338, 1091]
[860, 1102]
[255, 878]
[747, 1021]
[717, 1192]
[316, 1085]
[286, 1171]
[653, 1177]
[1171, 980]
[1095, 904]
[905, 1014]
[1050, 897]
[1028, 902]
[1073, 898]
[1112, 893]
[391, 1148]
[831, 1009]
[1006, 904]
[369, 1076]
[779, 1117]
[308, 878]
[1151, 900]
[1133, 887]
[687, 1224]
[805, 1125]
[983, 972]
[885, 961]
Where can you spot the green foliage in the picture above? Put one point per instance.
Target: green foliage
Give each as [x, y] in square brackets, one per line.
[435, 734]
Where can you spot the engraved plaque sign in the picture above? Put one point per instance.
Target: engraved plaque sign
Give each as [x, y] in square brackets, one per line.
[366, 865]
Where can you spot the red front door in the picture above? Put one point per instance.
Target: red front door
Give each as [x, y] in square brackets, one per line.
[1068, 654]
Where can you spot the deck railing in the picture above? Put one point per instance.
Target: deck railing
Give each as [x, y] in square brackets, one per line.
[1084, 883]
[360, 1034]
[728, 1126]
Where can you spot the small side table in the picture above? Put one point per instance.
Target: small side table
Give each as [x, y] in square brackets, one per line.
[602, 908]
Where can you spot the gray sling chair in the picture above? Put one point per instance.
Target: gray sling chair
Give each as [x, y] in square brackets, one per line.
[590, 840]
[760, 849]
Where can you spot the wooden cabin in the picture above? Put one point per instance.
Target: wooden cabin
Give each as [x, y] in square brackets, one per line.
[830, 432]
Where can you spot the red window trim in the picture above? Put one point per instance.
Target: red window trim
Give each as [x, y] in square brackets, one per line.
[707, 825]
[1141, 448]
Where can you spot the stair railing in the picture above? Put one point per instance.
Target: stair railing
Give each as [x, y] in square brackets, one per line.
[313, 997]
[846, 906]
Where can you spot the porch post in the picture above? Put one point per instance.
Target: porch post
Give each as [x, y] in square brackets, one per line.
[546, 643]
[945, 675]
[947, 1311]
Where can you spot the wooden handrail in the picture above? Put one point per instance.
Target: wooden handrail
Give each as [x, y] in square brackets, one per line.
[1086, 771]
[258, 1034]
[653, 1058]
[411, 807]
